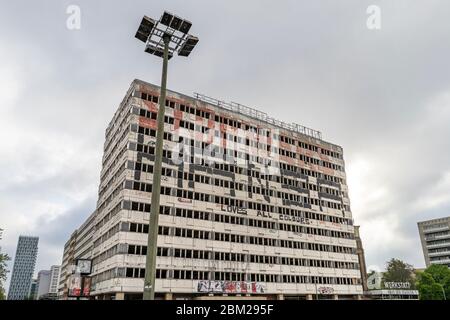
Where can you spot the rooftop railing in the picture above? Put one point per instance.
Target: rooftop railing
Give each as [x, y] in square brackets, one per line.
[259, 115]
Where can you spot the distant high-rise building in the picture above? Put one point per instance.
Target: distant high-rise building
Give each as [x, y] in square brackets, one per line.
[54, 280]
[23, 269]
[33, 289]
[48, 283]
[435, 239]
[79, 246]
[43, 285]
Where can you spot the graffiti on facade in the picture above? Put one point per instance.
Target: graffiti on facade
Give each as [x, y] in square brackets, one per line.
[230, 286]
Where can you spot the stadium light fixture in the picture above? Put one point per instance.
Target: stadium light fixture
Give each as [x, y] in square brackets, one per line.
[162, 38]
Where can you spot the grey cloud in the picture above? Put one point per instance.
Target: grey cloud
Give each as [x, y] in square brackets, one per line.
[379, 94]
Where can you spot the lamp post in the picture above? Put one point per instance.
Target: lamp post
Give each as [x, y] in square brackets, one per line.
[162, 38]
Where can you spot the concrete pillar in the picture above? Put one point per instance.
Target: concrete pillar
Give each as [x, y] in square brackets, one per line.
[168, 296]
[120, 295]
[358, 297]
[309, 297]
[335, 297]
[280, 297]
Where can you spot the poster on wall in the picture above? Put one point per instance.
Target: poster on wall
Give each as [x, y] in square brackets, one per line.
[86, 287]
[74, 286]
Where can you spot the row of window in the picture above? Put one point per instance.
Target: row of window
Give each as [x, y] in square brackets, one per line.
[115, 127]
[440, 258]
[178, 274]
[432, 236]
[152, 133]
[435, 226]
[108, 234]
[113, 157]
[262, 241]
[253, 258]
[116, 140]
[291, 214]
[191, 126]
[438, 242]
[240, 170]
[296, 215]
[103, 202]
[151, 150]
[225, 237]
[169, 172]
[104, 186]
[237, 220]
[437, 250]
[294, 199]
[108, 216]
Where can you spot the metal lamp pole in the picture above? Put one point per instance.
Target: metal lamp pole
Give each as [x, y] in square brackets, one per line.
[150, 264]
[162, 39]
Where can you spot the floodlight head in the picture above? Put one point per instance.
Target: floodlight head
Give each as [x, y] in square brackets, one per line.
[176, 23]
[141, 36]
[185, 26]
[170, 31]
[166, 18]
[188, 45]
[145, 28]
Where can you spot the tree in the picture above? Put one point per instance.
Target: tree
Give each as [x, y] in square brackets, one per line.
[399, 271]
[433, 282]
[428, 288]
[439, 272]
[3, 272]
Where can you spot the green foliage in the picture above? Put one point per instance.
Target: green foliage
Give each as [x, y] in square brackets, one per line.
[399, 271]
[438, 272]
[433, 282]
[446, 286]
[426, 279]
[3, 272]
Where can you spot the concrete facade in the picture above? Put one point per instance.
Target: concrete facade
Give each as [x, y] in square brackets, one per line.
[54, 280]
[435, 239]
[361, 258]
[250, 206]
[43, 283]
[47, 283]
[79, 246]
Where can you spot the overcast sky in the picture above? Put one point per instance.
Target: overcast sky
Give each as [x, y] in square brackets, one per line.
[383, 95]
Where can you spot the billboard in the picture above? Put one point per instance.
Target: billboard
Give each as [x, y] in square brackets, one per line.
[86, 286]
[74, 286]
[83, 266]
[79, 286]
